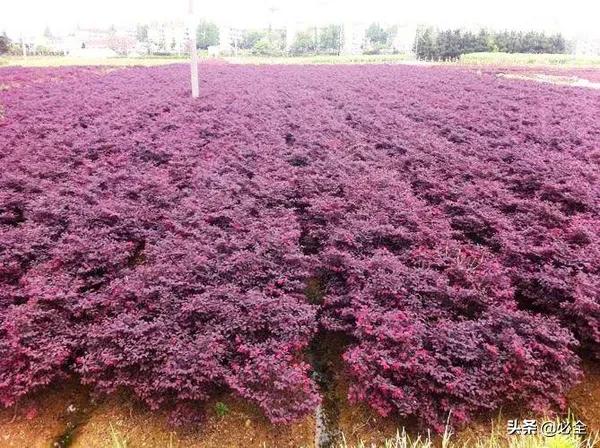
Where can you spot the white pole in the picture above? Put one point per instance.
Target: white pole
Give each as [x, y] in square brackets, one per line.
[193, 51]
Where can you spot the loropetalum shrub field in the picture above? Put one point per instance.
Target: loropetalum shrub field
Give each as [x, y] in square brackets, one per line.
[449, 219]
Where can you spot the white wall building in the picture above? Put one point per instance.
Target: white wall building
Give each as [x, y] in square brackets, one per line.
[291, 31]
[89, 42]
[167, 37]
[589, 46]
[404, 40]
[225, 40]
[229, 41]
[353, 37]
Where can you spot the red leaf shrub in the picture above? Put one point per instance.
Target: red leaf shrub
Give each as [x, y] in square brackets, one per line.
[430, 369]
[433, 320]
[163, 245]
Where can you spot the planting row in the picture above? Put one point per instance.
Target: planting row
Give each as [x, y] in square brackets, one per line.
[445, 223]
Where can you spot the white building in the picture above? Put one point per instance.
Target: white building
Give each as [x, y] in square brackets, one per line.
[353, 37]
[225, 40]
[92, 43]
[167, 37]
[404, 40]
[588, 46]
[291, 31]
[229, 41]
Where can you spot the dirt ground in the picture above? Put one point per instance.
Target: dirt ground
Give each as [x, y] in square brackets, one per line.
[584, 399]
[241, 426]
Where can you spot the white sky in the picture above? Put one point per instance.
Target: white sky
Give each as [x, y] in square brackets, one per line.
[569, 16]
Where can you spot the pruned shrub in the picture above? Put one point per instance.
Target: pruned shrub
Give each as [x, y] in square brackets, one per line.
[445, 223]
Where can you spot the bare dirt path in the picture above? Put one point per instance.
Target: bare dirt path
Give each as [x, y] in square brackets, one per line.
[29, 426]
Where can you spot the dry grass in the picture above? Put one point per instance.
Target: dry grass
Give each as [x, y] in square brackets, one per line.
[503, 59]
[57, 61]
[498, 438]
[324, 59]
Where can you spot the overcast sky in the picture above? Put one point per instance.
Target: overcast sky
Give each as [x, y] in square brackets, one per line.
[568, 16]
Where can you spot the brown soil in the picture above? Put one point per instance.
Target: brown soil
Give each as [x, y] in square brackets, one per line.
[242, 427]
[360, 423]
[584, 399]
[38, 422]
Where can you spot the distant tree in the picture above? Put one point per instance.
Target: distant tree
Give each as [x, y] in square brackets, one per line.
[529, 42]
[304, 43]
[475, 42]
[559, 44]
[142, 36]
[207, 34]
[375, 34]
[261, 46]
[249, 38]
[330, 38]
[449, 45]
[484, 41]
[266, 46]
[507, 42]
[162, 40]
[5, 43]
[141, 33]
[425, 45]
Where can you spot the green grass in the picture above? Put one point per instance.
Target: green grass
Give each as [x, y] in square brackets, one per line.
[322, 59]
[59, 61]
[504, 59]
[221, 409]
[523, 59]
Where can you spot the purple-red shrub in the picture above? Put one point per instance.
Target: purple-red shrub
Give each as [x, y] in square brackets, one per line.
[402, 364]
[433, 320]
[163, 245]
[147, 265]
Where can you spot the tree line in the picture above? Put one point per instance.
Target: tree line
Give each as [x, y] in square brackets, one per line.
[430, 43]
[448, 45]
[325, 39]
[313, 40]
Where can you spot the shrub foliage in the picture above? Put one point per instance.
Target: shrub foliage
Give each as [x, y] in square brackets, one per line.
[161, 245]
